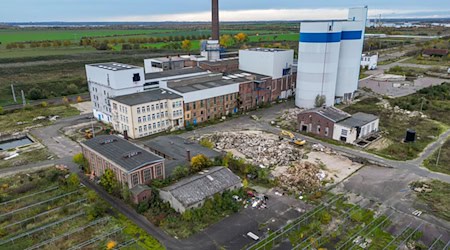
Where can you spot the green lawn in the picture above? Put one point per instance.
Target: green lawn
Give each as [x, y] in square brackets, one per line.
[9, 122]
[35, 52]
[443, 165]
[277, 37]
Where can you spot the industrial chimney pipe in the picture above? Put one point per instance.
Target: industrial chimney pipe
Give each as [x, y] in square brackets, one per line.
[215, 19]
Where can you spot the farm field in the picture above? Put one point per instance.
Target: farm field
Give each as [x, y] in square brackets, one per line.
[49, 209]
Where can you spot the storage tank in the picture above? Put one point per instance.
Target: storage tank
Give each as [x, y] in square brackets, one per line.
[319, 49]
[410, 136]
[352, 41]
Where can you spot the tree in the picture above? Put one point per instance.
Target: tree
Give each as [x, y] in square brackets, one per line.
[108, 181]
[67, 43]
[320, 101]
[81, 161]
[199, 162]
[79, 99]
[241, 37]
[44, 104]
[36, 94]
[245, 183]
[180, 172]
[226, 41]
[65, 101]
[186, 45]
[72, 89]
[73, 181]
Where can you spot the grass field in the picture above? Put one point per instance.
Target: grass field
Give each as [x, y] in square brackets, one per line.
[438, 200]
[23, 118]
[26, 158]
[393, 127]
[443, 165]
[46, 210]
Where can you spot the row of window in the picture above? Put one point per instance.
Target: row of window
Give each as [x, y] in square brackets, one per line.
[123, 118]
[156, 125]
[158, 115]
[152, 107]
[230, 97]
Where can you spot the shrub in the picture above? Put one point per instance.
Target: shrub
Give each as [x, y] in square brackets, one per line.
[35, 94]
[44, 104]
[180, 172]
[143, 207]
[108, 181]
[73, 181]
[206, 143]
[200, 162]
[72, 89]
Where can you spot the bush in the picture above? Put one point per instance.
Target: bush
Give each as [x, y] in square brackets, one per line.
[143, 207]
[72, 89]
[180, 172]
[199, 162]
[207, 143]
[73, 181]
[35, 94]
[44, 104]
[109, 182]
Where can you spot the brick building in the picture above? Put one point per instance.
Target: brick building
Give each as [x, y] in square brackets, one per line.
[221, 66]
[132, 165]
[321, 121]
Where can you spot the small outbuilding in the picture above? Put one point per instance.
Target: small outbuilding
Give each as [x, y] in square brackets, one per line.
[358, 126]
[140, 193]
[193, 191]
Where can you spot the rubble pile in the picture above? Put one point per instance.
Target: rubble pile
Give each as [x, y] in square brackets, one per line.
[398, 110]
[301, 177]
[258, 148]
[289, 118]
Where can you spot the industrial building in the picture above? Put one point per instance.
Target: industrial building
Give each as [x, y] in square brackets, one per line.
[192, 192]
[177, 151]
[146, 113]
[206, 97]
[152, 80]
[131, 164]
[106, 80]
[159, 64]
[332, 123]
[369, 61]
[329, 59]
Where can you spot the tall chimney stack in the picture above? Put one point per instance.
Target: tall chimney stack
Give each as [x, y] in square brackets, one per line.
[215, 19]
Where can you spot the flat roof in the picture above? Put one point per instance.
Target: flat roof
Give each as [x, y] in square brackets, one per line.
[114, 66]
[124, 153]
[174, 72]
[191, 190]
[146, 97]
[213, 80]
[170, 58]
[358, 120]
[267, 49]
[242, 73]
[226, 61]
[176, 147]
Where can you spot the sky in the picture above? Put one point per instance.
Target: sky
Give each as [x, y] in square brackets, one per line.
[199, 10]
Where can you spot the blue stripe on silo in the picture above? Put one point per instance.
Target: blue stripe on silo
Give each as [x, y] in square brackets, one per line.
[320, 37]
[351, 35]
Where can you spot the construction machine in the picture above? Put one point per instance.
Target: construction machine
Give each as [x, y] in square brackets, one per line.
[292, 138]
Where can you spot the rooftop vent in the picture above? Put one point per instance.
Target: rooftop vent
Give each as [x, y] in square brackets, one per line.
[132, 154]
[108, 141]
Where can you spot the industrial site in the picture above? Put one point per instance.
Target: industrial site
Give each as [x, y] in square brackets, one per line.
[321, 133]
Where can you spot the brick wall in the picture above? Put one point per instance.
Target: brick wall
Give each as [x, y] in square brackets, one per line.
[316, 124]
[209, 109]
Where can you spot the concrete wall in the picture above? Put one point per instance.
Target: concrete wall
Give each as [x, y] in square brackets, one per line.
[266, 62]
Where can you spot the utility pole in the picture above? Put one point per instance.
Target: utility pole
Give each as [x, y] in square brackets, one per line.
[438, 156]
[24, 102]
[13, 93]
[421, 105]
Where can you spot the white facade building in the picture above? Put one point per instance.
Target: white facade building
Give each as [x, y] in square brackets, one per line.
[146, 113]
[210, 49]
[107, 80]
[152, 80]
[270, 62]
[369, 62]
[358, 126]
[329, 59]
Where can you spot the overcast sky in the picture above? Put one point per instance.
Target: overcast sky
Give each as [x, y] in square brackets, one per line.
[198, 10]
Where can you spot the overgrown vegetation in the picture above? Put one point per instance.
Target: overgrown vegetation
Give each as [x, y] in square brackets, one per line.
[393, 127]
[193, 220]
[438, 200]
[38, 199]
[434, 100]
[25, 158]
[443, 156]
[22, 118]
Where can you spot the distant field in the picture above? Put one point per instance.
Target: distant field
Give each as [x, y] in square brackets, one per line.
[8, 36]
[34, 52]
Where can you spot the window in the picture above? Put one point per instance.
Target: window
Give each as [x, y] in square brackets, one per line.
[344, 132]
[145, 127]
[195, 106]
[326, 131]
[201, 103]
[195, 114]
[144, 118]
[149, 117]
[148, 108]
[165, 105]
[215, 99]
[153, 107]
[173, 104]
[159, 170]
[138, 110]
[154, 125]
[143, 109]
[140, 129]
[318, 128]
[167, 113]
[157, 115]
[134, 179]
[157, 106]
[147, 174]
[153, 117]
[139, 119]
[188, 107]
[226, 98]
[159, 124]
[162, 114]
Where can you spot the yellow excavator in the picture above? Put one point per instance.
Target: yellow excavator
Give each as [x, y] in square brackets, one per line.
[292, 138]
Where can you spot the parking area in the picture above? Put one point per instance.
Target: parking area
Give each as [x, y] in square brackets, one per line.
[230, 233]
[398, 89]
